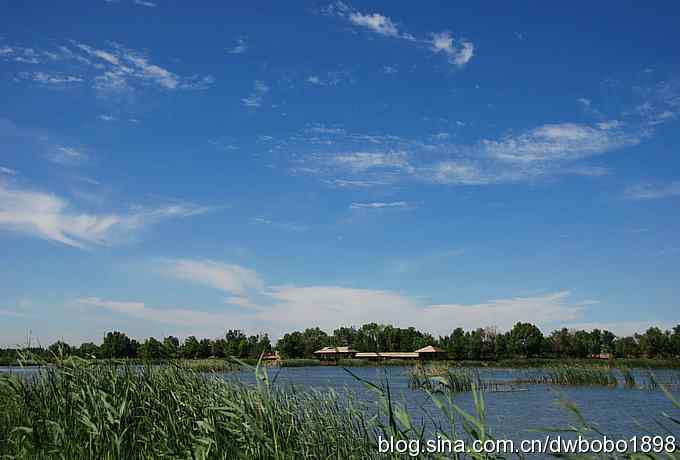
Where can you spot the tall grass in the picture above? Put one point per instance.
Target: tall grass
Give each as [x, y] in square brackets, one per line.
[80, 411]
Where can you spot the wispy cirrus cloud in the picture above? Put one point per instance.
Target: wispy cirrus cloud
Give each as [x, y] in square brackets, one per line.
[229, 278]
[113, 68]
[346, 159]
[8, 171]
[50, 217]
[379, 205]
[184, 317]
[648, 191]
[239, 48]
[557, 142]
[45, 78]
[66, 155]
[458, 52]
[254, 99]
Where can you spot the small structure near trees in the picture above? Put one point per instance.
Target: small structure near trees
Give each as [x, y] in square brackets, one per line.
[330, 355]
[431, 352]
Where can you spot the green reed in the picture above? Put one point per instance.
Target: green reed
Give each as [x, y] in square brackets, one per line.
[77, 410]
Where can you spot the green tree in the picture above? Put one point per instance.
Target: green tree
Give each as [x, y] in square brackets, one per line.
[190, 348]
[118, 345]
[458, 344]
[608, 339]
[626, 347]
[474, 343]
[151, 349]
[171, 347]
[291, 345]
[675, 341]
[88, 350]
[59, 348]
[653, 342]
[525, 340]
[314, 339]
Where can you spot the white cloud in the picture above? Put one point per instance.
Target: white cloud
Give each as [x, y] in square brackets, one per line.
[455, 172]
[105, 117]
[458, 54]
[111, 69]
[588, 171]
[159, 75]
[315, 80]
[254, 99]
[362, 161]
[66, 155]
[52, 218]
[653, 191]
[225, 277]
[145, 3]
[50, 79]
[376, 22]
[8, 171]
[563, 141]
[239, 48]
[283, 308]
[379, 205]
[609, 124]
[178, 316]
[242, 302]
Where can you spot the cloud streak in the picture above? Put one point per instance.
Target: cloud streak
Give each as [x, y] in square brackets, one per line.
[254, 99]
[457, 52]
[353, 160]
[643, 192]
[108, 69]
[52, 218]
[379, 205]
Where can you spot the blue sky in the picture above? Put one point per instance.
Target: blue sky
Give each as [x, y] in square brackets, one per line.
[176, 170]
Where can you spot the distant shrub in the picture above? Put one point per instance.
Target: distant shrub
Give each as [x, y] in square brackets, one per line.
[299, 362]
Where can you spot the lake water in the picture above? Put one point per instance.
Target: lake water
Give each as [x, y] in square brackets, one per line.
[617, 412]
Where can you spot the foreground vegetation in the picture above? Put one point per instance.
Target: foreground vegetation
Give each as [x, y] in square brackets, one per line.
[76, 410]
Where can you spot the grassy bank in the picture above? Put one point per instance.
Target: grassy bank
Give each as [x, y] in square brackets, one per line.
[224, 364]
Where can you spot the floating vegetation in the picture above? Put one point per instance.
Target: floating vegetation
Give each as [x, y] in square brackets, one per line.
[628, 378]
[454, 380]
[573, 375]
[457, 380]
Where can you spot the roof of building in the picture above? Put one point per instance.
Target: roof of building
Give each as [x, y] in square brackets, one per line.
[387, 354]
[430, 349]
[329, 350]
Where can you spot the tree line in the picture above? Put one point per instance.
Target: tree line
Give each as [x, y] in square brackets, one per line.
[524, 340]
[118, 345]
